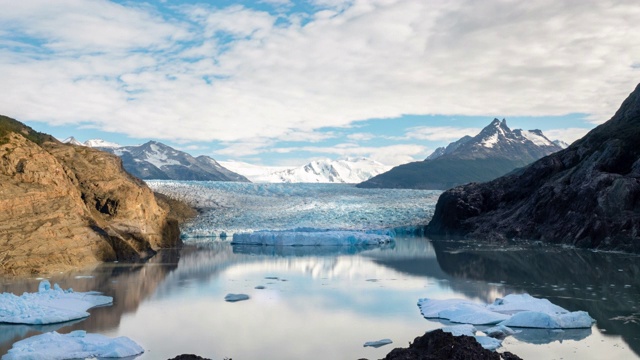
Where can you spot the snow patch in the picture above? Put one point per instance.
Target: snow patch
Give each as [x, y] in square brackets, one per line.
[75, 345]
[536, 138]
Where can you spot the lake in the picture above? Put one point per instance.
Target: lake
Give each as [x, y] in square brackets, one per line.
[326, 302]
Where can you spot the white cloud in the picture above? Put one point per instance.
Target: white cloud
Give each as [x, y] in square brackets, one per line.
[370, 59]
[567, 135]
[361, 136]
[439, 133]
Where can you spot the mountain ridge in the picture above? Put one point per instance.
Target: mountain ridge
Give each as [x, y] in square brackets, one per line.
[350, 170]
[494, 151]
[155, 160]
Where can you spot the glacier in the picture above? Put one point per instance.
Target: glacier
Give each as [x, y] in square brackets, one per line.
[48, 305]
[227, 208]
[312, 237]
[75, 345]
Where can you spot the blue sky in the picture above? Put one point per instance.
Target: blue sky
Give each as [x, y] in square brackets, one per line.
[282, 82]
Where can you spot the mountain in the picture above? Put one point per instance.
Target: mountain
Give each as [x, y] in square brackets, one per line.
[252, 172]
[349, 170]
[64, 207]
[493, 152]
[155, 160]
[587, 195]
[96, 143]
[561, 143]
[99, 143]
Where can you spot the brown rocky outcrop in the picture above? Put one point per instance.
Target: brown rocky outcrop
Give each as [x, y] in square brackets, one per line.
[65, 206]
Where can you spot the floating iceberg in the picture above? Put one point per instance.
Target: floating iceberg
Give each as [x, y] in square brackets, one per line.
[48, 306]
[313, 237]
[75, 345]
[513, 310]
[236, 297]
[378, 343]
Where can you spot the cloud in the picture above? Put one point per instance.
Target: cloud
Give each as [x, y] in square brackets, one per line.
[361, 136]
[439, 133]
[235, 74]
[568, 135]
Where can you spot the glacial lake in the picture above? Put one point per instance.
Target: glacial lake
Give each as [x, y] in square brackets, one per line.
[326, 302]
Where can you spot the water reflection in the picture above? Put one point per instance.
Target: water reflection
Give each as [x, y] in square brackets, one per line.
[606, 285]
[325, 302]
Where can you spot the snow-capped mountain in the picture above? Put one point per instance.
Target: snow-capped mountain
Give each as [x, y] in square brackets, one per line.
[96, 143]
[349, 170]
[73, 141]
[155, 160]
[493, 152]
[251, 171]
[498, 140]
[561, 143]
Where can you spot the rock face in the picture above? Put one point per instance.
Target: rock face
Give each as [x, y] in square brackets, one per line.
[440, 345]
[493, 152]
[586, 195]
[64, 206]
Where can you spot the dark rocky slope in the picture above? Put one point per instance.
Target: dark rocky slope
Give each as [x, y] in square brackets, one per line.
[65, 206]
[586, 195]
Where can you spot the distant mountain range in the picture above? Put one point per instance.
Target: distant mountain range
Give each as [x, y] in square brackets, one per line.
[495, 151]
[349, 170]
[155, 160]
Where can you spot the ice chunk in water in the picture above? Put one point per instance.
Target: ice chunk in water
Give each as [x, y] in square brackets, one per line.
[75, 345]
[378, 343]
[236, 297]
[312, 237]
[48, 306]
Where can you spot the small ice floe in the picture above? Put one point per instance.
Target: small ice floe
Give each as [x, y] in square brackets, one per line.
[75, 345]
[486, 342]
[377, 344]
[49, 306]
[513, 310]
[312, 237]
[236, 297]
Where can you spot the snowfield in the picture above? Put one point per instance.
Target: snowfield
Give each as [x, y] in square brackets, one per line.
[231, 207]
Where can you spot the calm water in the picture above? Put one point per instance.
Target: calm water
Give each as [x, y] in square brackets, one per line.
[326, 302]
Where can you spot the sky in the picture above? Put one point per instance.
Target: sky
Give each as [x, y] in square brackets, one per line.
[283, 82]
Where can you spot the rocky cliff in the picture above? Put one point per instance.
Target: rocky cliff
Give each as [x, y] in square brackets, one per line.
[65, 206]
[586, 195]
